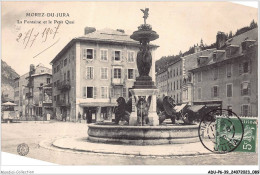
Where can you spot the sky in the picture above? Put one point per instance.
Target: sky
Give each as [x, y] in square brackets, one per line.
[179, 25]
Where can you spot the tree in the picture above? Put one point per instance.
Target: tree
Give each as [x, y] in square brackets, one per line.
[201, 43]
[253, 24]
[230, 35]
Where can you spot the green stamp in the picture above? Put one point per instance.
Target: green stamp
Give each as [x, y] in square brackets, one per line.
[232, 136]
[229, 133]
[248, 143]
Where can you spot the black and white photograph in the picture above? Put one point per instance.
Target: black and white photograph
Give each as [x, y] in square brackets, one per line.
[135, 83]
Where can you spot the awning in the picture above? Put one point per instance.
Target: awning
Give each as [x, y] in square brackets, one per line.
[97, 104]
[196, 108]
[9, 104]
[178, 108]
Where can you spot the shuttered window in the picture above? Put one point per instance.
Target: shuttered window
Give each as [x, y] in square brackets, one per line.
[229, 90]
[84, 92]
[104, 92]
[130, 56]
[104, 73]
[214, 91]
[245, 88]
[90, 73]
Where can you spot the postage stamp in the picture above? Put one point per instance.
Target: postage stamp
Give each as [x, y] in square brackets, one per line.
[221, 131]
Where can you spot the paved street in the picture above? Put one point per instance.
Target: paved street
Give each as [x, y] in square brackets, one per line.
[32, 133]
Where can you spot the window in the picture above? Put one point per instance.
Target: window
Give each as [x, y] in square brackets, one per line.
[65, 62]
[215, 73]
[90, 73]
[229, 67]
[54, 98]
[104, 92]
[68, 75]
[130, 73]
[245, 110]
[117, 55]
[130, 56]
[177, 85]
[48, 80]
[54, 69]
[89, 53]
[245, 88]
[64, 76]
[104, 73]
[55, 84]
[117, 73]
[103, 55]
[245, 67]
[90, 93]
[58, 68]
[177, 72]
[199, 93]
[199, 76]
[229, 90]
[174, 73]
[174, 85]
[214, 91]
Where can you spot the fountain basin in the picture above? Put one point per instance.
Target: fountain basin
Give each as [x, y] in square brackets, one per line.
[143, 135]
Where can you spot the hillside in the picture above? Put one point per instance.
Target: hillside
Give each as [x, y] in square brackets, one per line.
[7, 81]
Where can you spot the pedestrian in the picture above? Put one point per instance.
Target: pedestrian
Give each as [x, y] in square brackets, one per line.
[79, 117]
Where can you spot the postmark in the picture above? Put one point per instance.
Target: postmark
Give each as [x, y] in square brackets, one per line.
[23, 149]
[221, 131]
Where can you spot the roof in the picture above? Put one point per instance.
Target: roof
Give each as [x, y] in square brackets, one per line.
[191, 60]
[249, 35]
[102, 36]
[235, 41]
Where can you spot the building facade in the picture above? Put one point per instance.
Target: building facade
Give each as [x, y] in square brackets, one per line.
[91, 72]
[175, 80]
[162, 82]
[188, 63]
[229, 76]
[31, 96]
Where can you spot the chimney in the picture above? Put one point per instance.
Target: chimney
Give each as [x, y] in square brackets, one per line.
[221, 40]
[89, 30]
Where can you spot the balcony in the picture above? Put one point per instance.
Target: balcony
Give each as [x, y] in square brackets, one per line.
[64, 85]
[63, 102]
[118, 81]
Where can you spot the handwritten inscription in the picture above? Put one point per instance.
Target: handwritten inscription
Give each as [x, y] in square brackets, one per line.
[29, 37]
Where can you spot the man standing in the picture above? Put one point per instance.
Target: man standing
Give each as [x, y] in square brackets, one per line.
[79, 117]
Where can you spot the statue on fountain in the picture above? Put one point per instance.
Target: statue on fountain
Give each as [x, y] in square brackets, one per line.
[143, 106]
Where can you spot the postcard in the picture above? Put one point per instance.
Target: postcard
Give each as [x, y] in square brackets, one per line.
[129, 83]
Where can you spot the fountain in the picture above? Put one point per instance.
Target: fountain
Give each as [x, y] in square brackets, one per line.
[143, 128]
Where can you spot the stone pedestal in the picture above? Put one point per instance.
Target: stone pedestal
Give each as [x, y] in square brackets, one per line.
[153, 117]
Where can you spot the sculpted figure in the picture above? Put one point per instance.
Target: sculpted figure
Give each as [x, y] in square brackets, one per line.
[146, 14]
[144, 60]
[121, 112]
[143, 110]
